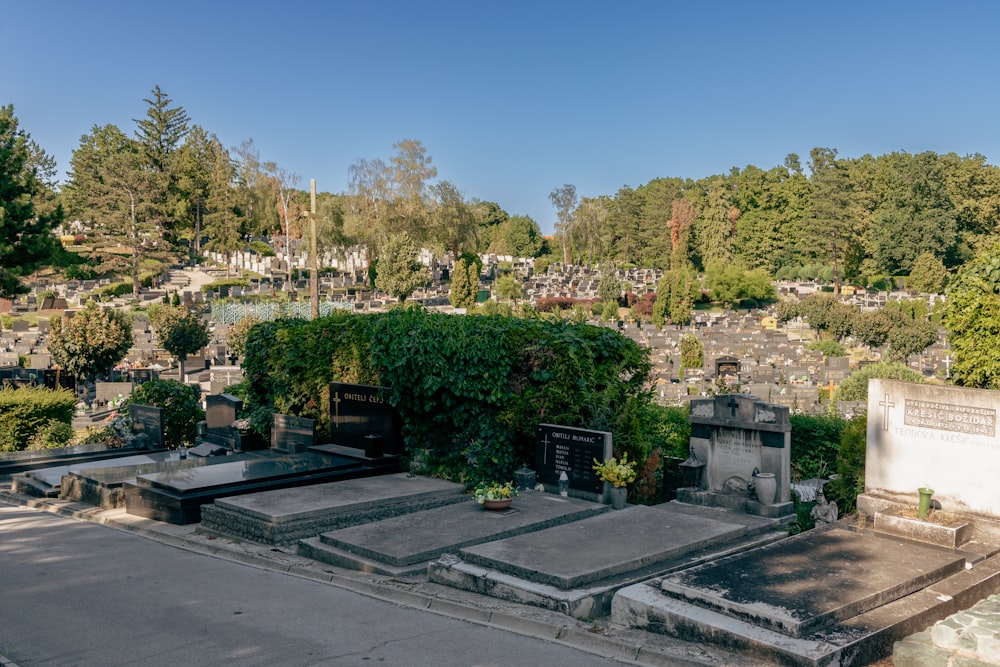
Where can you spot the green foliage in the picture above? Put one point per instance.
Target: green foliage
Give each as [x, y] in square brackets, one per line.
[180, 331]
[261, 248]
[398, 273]
[181, 409]
[829, 348]
[929, 274]
[910, 339]
[731, 284]
[692, 351]
[215, 285]
[54, 434]
[610, 287]
[238, 333]
[465, 282]
[26, 241]
[473, 389]
[815, 445]
[972, 316]
[26, 411]
[92, 341]
[850, 480]
[609, 311]
[509, 288]
[855, 386]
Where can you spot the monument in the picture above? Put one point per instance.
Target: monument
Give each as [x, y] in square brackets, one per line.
[571, 451]
[745, 445]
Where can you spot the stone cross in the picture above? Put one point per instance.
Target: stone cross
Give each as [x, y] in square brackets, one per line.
[886, 404]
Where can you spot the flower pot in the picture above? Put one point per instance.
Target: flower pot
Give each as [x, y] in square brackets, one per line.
[497, 505]
[767, 487]
[618, 496]
[925, 501]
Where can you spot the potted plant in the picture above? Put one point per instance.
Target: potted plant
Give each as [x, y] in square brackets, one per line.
[495, 495]
[618, 473]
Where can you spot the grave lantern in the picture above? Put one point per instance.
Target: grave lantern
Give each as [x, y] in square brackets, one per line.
[524, 479]
[692, 469]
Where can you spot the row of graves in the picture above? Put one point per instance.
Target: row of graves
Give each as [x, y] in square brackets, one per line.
[748, 353]
[716, 566]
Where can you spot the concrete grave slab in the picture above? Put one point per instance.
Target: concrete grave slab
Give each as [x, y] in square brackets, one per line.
[285, 515]
[406, 544]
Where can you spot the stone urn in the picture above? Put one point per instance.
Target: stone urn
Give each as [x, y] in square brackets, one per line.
[618, 495]
[767, 487]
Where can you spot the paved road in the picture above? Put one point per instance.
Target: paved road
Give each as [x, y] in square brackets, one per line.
[77, 593]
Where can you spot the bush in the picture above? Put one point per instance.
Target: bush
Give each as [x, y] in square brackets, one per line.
[850, 480]
[815, 445]
[26, 411]
[54, 434]
[181, 409]
[503, 376]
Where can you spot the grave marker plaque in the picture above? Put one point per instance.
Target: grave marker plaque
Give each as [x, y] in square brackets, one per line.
[358, 411]
[148, 420]
[571, 450]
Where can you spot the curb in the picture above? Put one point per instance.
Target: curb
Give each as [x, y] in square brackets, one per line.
[577, 634]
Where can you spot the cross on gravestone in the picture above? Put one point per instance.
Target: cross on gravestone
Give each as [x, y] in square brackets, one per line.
[885, 405]
[732, 405]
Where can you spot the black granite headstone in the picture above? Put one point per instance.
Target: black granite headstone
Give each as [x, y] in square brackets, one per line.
[56, 378]
[359, 410]
[561, 449]
[147, 420]
[292, 434]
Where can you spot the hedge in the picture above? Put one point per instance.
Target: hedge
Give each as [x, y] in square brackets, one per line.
[27, 410]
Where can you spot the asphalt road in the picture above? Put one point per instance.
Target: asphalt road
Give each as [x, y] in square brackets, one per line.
[76, 594]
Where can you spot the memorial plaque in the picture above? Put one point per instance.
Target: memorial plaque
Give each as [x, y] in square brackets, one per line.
[359, 410]
[571, 450]
[148, 420]
[292, 434]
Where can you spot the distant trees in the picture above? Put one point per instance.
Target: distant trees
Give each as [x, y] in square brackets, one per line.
[465, 282]
[26, 241]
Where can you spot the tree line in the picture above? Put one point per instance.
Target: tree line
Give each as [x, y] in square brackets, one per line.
[171, 187]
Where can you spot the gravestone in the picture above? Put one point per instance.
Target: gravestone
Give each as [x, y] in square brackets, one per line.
[58, 378]
[19, 325]
[147, 420]
[105, 392]
[735, 435]
[292, 434]
[560, 449]
[359, 411]
[930, 436]
[221, 410]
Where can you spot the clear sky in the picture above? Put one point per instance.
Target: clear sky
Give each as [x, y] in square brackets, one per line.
[513, 98]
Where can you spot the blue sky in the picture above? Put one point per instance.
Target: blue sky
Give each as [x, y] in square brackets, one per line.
[513, 99]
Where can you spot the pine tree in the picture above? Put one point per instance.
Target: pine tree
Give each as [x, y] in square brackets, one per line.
[25, 233]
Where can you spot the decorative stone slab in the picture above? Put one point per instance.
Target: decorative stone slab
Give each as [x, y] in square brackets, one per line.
[813, 580]
[602, 546]
[417, 538]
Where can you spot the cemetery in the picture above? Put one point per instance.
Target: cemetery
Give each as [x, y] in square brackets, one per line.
[325, 471]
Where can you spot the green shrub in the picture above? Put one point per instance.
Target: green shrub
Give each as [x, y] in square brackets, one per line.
[473, 389]
[54, 434]
[28, 410]
[815, 445]
[850, 480]
[181, 409]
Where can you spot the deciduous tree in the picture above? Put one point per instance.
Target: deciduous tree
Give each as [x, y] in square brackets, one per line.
[399, 273]
[92, 341]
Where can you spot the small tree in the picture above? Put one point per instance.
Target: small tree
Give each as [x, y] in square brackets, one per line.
[928, 274]
[398, 273]
[508, 288]
[90, 342]
[181, 409]
[465, 281]
[610, 287]
[181, 332]
[692, 352]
